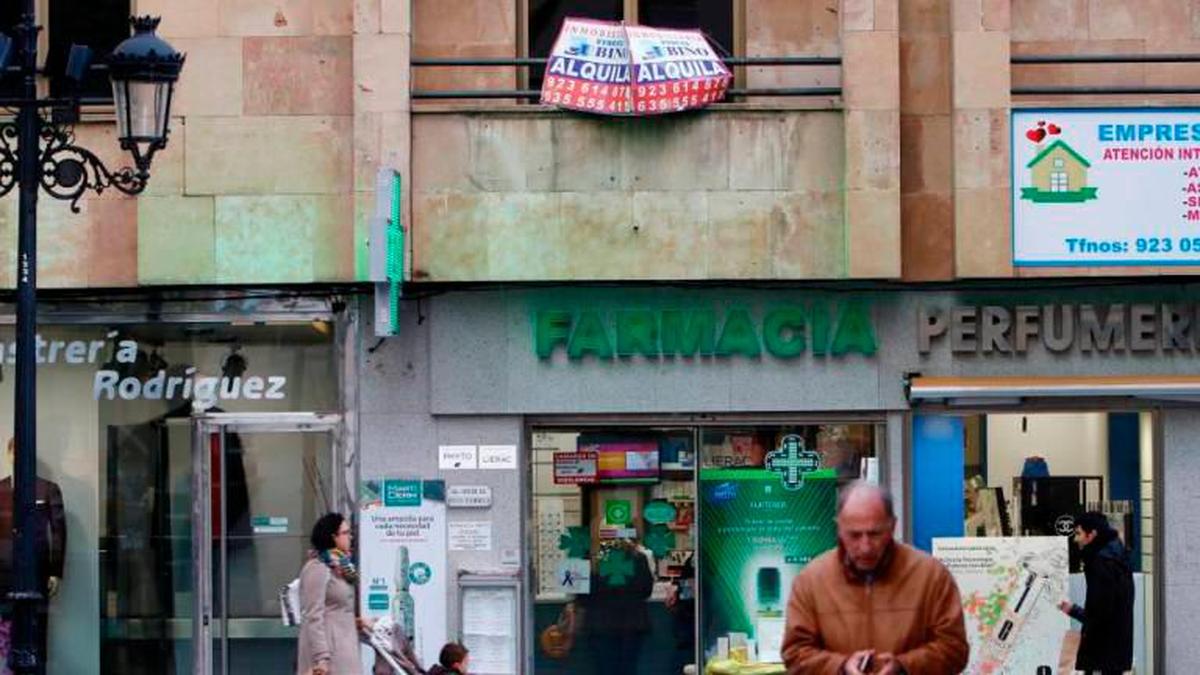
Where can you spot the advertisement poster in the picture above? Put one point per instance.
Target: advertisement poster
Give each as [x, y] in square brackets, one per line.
[575, 468]
[1106, 187]
[402, 552]
[1010, 588]
[756, 534]
[620, 459]
[608, 68]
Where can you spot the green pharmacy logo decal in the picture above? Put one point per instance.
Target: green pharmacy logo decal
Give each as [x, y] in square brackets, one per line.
[617, 512]
[576, 542]
[792, 460]
[616, 566]
[1058, 173]
[660, 540]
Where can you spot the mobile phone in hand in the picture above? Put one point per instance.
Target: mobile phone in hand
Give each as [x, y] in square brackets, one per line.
[866, 662]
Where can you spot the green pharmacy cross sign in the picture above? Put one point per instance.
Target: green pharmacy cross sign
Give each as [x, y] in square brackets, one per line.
[792, 460]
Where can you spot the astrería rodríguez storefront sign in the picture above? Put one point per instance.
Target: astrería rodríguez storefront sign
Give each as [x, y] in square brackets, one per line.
[116, 358]
[1106, 187]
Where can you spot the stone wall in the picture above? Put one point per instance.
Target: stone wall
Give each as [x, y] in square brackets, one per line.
[283, 113]
[716, 195]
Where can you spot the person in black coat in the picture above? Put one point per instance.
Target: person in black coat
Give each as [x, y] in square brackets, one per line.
[1107, 613]
[617, 618]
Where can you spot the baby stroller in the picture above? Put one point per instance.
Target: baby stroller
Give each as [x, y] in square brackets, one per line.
[393, 651]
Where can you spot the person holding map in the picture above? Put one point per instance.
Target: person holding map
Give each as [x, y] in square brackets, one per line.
[1107, 613]
[873, 605]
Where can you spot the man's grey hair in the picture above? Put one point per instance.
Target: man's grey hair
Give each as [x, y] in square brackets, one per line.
[884, 494]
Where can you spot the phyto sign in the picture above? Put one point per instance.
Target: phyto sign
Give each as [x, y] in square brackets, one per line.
[783, 331]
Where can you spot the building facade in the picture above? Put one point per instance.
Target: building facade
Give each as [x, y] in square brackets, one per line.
[603, 323]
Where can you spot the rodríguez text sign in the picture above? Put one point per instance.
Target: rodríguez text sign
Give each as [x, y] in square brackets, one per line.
[612, 69]
[1106, 187]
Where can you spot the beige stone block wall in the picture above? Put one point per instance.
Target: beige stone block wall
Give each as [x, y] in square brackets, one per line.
[464, 28]
[982, 100]
[791, 27]
[724, 195]
[926, 145]
[871, 94]
[382, 128]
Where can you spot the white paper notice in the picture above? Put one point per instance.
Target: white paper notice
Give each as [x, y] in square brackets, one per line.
[497, 457]
[491, 655]
[470, 535]
[488, 612]
[456, 457]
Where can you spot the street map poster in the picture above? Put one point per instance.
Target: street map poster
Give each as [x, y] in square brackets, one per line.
[402, 555]
[758, 528]
[1106, 187]
[1010, 589]
[609, 68]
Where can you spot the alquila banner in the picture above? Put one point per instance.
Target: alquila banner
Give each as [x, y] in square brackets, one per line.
[613, 69]
[1106, 187]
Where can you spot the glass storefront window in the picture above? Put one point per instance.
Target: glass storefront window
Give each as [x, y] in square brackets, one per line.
[630, 577]
[1026, 475]
[115, 440]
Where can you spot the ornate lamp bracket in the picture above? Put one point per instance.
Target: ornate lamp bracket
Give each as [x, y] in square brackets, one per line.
[67, 170]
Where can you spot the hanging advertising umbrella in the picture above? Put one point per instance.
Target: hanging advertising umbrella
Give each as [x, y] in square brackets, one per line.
[609, 68]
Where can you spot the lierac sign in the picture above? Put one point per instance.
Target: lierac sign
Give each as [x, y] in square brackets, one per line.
[1115, 328]
[784, 331]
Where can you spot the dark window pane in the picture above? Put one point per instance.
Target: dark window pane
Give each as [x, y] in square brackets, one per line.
[714, 17]
[10, 14]
[546, 16]
[99, 24]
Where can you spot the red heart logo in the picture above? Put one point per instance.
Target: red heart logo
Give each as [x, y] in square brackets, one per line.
[1035, 135]
[1053, 129]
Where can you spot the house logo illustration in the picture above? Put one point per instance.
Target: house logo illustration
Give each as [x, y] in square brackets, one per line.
[1058, 173]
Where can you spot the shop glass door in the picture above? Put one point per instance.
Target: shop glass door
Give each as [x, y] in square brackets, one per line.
[260, 481]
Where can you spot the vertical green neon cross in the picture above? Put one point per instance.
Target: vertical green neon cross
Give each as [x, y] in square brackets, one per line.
[792, 460]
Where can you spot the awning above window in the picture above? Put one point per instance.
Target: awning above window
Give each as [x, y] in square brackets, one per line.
[967, 390]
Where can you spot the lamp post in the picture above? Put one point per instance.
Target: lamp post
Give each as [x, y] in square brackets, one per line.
[38, 150]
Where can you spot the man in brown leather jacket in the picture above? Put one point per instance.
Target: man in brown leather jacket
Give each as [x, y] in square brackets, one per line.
[873, 605]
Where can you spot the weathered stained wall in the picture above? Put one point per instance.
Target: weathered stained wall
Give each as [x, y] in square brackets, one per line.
[755, 191]
[716, 195]
[282, 115]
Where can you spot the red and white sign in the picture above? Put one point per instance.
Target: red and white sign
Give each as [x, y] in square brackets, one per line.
[574, 468]
[612, 69]
[674, 70]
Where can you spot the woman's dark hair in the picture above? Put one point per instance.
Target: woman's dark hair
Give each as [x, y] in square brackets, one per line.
[452, 654]
[1092, 521]
[325, 531]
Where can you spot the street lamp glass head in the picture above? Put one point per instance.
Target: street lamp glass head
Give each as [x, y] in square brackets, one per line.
[144, 69]
[6, 44]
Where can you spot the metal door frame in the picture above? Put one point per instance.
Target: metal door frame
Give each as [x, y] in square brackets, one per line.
[204, 426]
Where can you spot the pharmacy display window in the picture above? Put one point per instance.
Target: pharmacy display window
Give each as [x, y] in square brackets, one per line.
[657, 548]
[1015, 481]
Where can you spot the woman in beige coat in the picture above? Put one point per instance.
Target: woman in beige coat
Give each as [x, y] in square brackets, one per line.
[328, 633]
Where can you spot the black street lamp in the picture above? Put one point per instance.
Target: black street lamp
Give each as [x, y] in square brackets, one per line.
[38, 149]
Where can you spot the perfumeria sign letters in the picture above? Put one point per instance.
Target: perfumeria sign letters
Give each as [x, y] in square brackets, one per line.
[784, 331]
[1091, 328]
